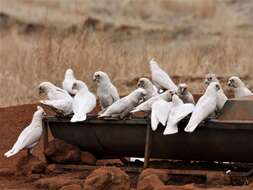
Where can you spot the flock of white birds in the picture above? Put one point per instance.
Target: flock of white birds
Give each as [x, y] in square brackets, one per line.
[168, 103]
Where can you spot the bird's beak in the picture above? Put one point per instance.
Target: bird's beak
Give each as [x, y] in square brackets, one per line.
[95, 78]
[139, 84]
[217, 87]
[40, 91]
[230, 83]
[206, 82]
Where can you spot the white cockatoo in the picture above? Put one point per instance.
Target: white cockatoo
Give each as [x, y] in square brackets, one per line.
[84, 101]
[205, 107]
[160, 113]
[30, 136]
[179, 110]
[52, 92]
[160, 78]
[58, 98]
[147, 85]
[146, 106]
[107, 93]
[221, 97]
[240, 89]
[69, 79]
[123, 106]
[185, 94]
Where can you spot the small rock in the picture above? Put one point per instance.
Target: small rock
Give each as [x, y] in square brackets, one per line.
[28, 165]
[59, 151]
[152, 179]
[110, 178]
[52, 168]
[71, 187]
[34, 177]
[88, 158]
[163, 176]
[110, 162]
[57, 182]
[150, 182]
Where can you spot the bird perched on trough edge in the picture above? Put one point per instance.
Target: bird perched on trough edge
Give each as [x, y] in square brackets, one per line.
[221, 97]
[69, 79]
[146, 106]
[57, 98]
[123, 106]
[204, 107]
[83, 103]
[179, 110]
[30, 136]
[147, 85]
[52, 92]
[185, 94]
[160, 78]
[240, 89]
[107, 93]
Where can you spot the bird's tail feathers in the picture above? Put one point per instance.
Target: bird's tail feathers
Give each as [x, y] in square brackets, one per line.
[170, 129]
[76, 118]
[135, 110]
[11, 153]
[190, 128]
[154, 121]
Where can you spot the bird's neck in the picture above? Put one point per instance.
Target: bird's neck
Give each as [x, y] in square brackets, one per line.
[37, 120]
[68, 76]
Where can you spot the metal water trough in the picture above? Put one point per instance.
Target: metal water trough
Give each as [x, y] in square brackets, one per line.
[227, 138]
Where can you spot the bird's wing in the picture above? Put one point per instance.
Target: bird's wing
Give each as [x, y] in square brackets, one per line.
[116, 108]
[27, 137]
[106, 100]
[204, 107]
[114, 93]
[247, 92]
[163, 79]
[67, 85]
[180, 112]
[160, 112]
[64, 105]
[177, 113]
[221, 99]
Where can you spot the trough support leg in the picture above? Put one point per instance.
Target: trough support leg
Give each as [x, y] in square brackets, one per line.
[45, 134]
[147, 145]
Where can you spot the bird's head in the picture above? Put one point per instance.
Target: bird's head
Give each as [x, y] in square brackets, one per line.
[144, 83]
[210, 77]
[40, 113]
[213, 88]
[78, 85]
[100, 76]
[234, 82]
[152, 62]
[44, 87]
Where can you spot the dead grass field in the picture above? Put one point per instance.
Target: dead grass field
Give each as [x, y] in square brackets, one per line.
[40, 39]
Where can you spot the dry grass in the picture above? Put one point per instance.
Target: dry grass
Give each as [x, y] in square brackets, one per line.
[50, 55]
[187, 48]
